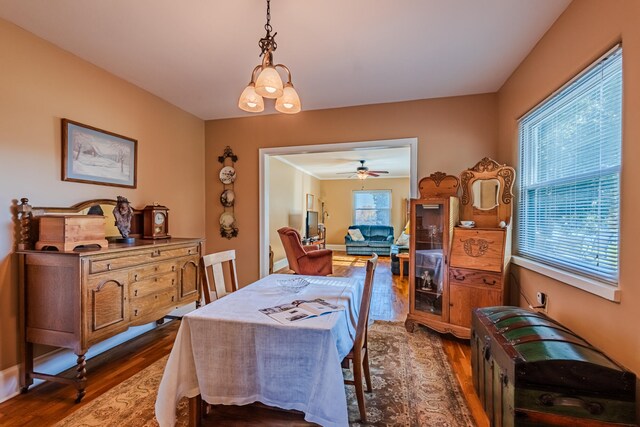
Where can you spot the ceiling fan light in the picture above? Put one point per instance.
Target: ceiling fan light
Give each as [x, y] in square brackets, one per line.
[250, 101]
[269, 83]
[289, 102]
[362, 176]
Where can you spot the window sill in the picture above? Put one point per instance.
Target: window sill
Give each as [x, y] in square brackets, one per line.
[602, 290]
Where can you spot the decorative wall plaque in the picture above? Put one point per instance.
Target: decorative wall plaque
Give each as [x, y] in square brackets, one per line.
[228, 226]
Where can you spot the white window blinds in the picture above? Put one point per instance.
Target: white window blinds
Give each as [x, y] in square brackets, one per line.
[570, 154]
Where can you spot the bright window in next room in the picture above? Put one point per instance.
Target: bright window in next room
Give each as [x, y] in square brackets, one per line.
[570, 155]
[372, 207]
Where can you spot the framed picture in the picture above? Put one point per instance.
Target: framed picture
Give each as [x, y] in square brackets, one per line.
[96, 156]
[309, 202]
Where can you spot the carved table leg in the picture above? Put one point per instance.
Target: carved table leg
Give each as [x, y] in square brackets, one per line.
[81, 377]
[27, 368]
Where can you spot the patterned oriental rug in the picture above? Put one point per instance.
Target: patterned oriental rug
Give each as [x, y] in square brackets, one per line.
[413, 385]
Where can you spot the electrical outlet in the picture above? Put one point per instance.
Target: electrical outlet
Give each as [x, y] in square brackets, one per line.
[543, 300]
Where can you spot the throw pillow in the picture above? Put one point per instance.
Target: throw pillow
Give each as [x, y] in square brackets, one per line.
[356, 234]
[403, 240]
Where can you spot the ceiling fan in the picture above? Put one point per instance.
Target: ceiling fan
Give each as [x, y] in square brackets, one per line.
[362, 172]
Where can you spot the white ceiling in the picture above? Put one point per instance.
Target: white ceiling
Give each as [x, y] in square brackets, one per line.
[331, 165]
[198, 54]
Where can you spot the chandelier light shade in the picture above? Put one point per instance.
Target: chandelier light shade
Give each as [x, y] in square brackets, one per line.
[289, 102]
[250, 101]
[268, 83]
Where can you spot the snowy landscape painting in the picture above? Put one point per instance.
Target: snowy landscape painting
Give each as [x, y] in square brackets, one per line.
[97, 156]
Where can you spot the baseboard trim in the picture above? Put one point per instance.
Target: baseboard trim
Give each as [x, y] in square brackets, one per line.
[280, 264]
[341, 248]
[60, 360]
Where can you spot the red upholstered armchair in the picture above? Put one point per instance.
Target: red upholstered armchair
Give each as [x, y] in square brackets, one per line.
[305, 259]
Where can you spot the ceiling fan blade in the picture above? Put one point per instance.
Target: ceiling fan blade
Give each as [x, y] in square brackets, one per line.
[379, 171]
[372, 174]
[342, 173]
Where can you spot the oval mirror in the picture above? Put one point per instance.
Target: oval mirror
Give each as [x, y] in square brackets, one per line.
[485, 193]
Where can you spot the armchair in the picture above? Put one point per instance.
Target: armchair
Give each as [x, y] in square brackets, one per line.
[305, 259]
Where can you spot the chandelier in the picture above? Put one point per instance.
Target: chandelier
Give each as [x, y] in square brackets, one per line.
[268, 83]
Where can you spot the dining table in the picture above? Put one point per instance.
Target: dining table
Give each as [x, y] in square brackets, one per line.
[229, 353]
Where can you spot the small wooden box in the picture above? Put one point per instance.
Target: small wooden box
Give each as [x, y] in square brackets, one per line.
[67, 232]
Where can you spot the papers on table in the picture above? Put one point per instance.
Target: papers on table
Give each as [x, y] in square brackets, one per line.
[300, 309]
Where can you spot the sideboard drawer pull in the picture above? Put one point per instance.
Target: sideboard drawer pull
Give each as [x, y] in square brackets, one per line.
[461, 278]
[109, 267]
[155, 254]
[490, 283]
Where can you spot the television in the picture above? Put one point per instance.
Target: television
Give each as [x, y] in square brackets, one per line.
[312, 225]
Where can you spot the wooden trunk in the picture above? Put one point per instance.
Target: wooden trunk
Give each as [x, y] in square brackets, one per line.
[528, 370]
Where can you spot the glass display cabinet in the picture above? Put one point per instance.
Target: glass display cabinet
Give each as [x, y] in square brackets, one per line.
[433, 217]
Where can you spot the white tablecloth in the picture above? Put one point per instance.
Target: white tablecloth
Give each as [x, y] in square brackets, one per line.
[230, 353]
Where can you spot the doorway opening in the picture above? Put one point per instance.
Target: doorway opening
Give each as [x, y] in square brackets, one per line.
[265, 155]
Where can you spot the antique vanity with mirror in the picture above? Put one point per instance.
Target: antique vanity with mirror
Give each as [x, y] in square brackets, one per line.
[466, 266]
[77, 298]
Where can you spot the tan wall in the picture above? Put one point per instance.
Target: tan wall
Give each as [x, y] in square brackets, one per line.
[40, 84]
[585, 31]
[465, 126]
[338, 198]
[288, 188]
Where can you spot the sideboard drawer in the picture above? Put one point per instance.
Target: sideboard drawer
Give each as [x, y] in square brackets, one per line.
[166, 253]
[152, 285]
[153, 306]
[101, 265]
[480, 249]
[144, 272]
[481, 278]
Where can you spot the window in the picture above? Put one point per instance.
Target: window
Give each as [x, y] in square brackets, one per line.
[372, 207]
[570, 155]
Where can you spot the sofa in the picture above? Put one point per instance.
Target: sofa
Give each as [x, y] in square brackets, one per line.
[377, 239]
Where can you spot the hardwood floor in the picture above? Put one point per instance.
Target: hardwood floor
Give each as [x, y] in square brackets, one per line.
[46, 404]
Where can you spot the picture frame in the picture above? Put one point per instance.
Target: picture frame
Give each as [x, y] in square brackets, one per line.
[309, 202]
[96, 156]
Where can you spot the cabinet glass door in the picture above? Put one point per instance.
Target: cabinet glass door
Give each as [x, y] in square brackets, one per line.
[429, 257]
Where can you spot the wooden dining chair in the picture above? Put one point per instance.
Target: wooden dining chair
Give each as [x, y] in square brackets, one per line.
[213, 277]
[359, 354]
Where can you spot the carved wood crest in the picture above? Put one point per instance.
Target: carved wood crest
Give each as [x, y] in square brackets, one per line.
[437, 185]
[475, 247]
[486, 165]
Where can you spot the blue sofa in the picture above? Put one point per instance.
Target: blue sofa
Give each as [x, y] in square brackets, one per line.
[377, 239]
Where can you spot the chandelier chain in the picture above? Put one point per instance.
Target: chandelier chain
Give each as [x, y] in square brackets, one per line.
[268, 42]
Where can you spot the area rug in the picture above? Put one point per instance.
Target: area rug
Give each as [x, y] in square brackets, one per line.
[413, 385]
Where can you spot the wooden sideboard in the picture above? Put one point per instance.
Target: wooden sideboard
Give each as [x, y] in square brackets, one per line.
[75, 299]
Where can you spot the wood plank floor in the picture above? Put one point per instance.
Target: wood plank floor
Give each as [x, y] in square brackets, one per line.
[46, 404]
